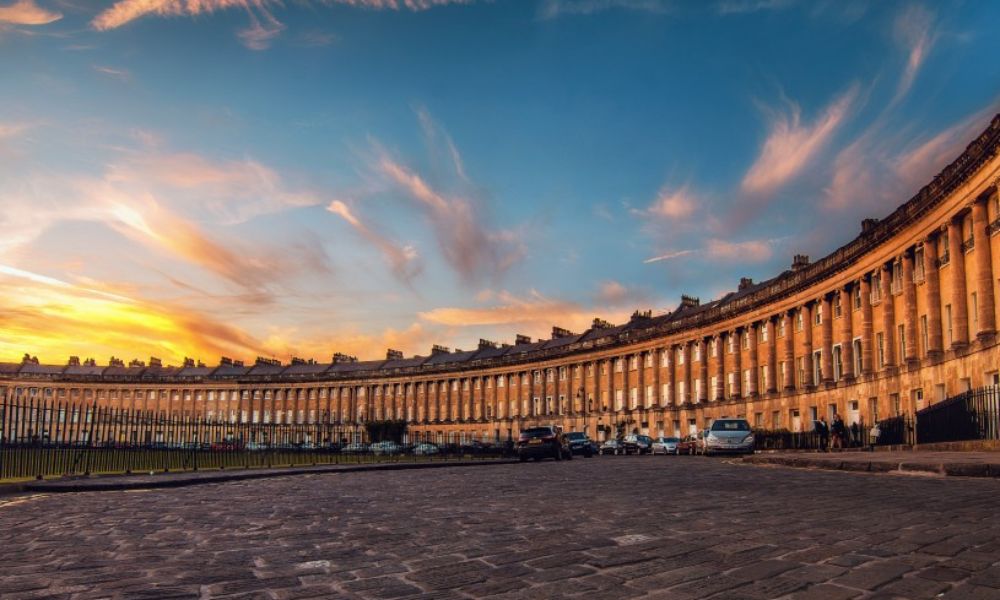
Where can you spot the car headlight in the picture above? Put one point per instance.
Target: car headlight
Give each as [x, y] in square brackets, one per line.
[748, 439]
[711, 438]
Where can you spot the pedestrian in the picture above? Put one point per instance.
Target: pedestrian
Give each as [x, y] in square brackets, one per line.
[839, 432]
[873, 436]
[855, 435]
[824, 434]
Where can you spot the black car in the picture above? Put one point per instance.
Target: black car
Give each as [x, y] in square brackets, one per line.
[638, 444]
[543, 442]
[580, 443]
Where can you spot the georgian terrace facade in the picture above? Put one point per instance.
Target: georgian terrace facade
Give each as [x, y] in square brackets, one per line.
[899, 318]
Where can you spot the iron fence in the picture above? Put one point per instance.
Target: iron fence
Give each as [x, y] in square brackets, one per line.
[40, 439]
[973, 415]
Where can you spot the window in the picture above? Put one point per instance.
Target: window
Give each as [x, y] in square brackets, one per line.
[918, 264]
[837, 308]
[649, 360]
[746, 380]
[876, 287]
[715, 384]
[732, 383]
[618, 365]
[562, 373]
[550, 375]
[817, 372]
[500, 381]
[975, 310]
[818, 315]
[897, 277]
[618, 399]
[781, 328]
[943, 254]
[901, 329]
[856, 295]
[880, 345]
[745, 341]
[633, 397]
[856, 355]
[923, 334]
[681, 387]
[697, 352]
[801, 371]
[665, 392]
[697, 390]
[590, 369]
[731, 344]
[649, 396]
[763, 332]
[634, 363]
[604, 368]
[711, 346]
[798, 321]
[680, 356]
[664, 358]
[762, 383]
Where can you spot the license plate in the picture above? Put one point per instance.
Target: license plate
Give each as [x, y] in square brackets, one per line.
[535, 441]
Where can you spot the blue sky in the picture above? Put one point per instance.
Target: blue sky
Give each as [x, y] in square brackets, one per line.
[243, 177]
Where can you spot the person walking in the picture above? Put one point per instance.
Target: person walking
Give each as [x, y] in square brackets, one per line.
[839, 432]
[824, 434]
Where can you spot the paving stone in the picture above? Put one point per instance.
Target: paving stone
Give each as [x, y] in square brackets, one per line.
[409, 534]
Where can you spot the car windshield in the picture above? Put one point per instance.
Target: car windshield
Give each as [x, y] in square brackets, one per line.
[537, 432]
[673, 440]
[576, 435]
[731, 425]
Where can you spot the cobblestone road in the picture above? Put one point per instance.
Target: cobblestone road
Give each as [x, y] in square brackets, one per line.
[610, 527]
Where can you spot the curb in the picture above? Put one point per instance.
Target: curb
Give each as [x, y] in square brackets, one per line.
[958, 469]
[167, 480]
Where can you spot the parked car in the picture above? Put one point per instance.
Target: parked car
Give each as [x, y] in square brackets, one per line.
[547, 441]
[665, 445]
[611, 446]
[426, 449]
[386, 448]
[354, 448]
[580, 443]
[689, 444]
[638, 444]
[729, 436]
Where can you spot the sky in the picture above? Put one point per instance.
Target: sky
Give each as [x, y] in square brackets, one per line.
[205, 178]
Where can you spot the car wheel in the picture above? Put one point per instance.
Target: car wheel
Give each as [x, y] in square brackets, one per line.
[557, 454]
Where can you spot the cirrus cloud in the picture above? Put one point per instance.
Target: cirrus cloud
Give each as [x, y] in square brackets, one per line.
[27, 12]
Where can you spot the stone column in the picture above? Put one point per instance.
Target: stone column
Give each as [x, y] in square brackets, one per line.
[706, 394]
[888, 317]
[641, 379]
[672, 374]
[867, 325]
[772, 355]
[657, 389]
[754, 365]
[826, 339]
[807, 344]
[984, 269]
[935, 345]
[738, 363]
[720, 366]
[959, 306]
[688, 380]
[789, 382]
[911, 352]
[847, 332]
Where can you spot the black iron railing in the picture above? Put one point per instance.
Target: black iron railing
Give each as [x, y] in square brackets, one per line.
[41, 439]
[973, 415]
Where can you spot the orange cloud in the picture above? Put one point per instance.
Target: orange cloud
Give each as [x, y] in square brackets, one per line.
[402, 259]
[26, 12]
[791, 145]
[748, 251]
[673, 203]
[472, 250]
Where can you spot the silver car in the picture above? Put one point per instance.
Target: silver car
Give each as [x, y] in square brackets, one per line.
[729, 436]
[665, 445]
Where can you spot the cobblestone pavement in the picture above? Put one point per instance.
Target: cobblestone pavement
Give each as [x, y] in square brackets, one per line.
[610, 527]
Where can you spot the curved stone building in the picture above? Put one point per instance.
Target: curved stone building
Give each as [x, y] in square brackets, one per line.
[900, 317]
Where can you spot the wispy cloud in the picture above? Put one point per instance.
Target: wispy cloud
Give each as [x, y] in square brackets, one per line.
[913, 31]
[669, 256]
[749, 251]
[264, 25]
[403, 260]
[475, 251]
[791, 145]
[739, 7]
[551, 9]
[114, 73]
[27, 12]
[674, 203]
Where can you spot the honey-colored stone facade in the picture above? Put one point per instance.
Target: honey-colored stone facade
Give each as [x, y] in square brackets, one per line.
[900, 318]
